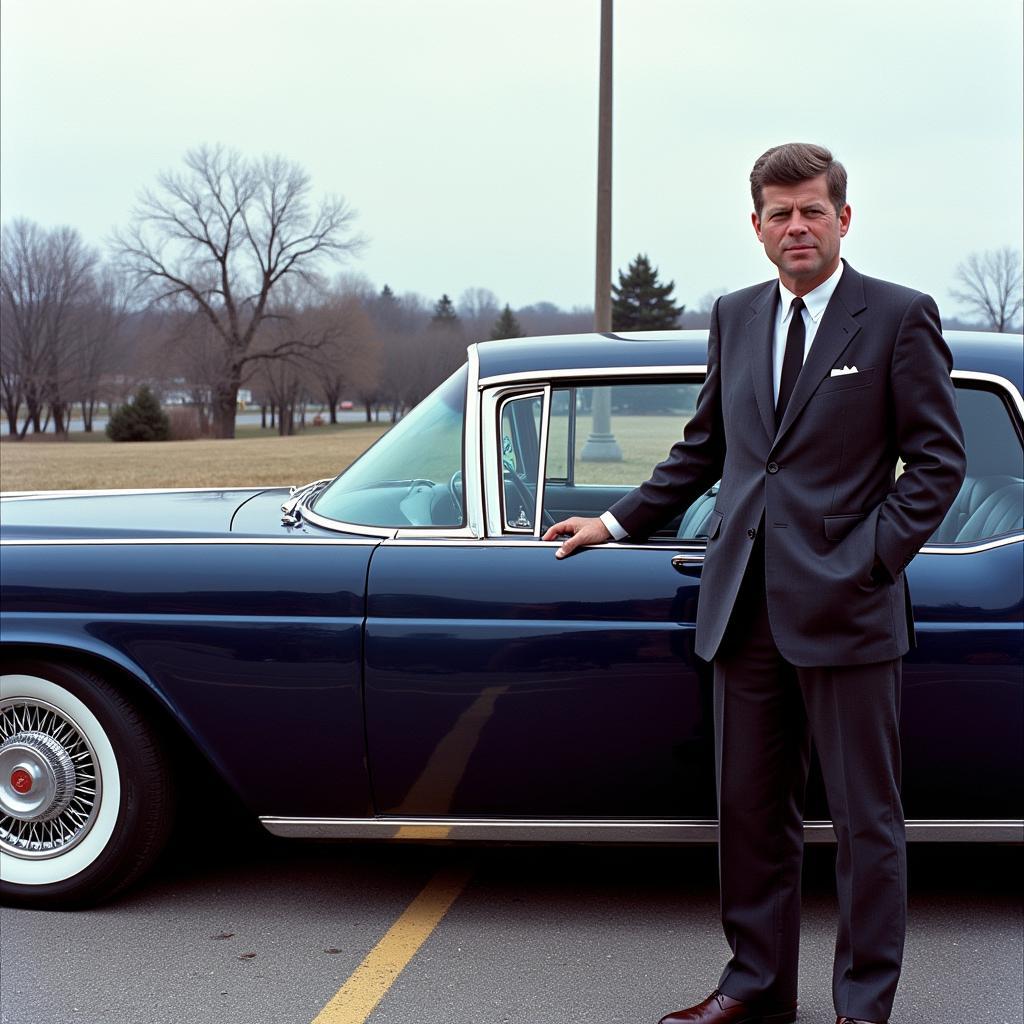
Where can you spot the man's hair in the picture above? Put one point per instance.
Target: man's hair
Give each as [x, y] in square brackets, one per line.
[795, 162]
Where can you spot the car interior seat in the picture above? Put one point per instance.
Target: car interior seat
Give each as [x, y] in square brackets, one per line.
[695, 519]
[974, 492]
[1002, 511]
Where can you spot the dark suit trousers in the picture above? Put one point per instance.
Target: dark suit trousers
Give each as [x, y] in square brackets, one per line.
[766, 712]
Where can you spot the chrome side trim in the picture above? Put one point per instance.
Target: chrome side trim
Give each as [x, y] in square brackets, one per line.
[609, 830]
[119, 541]
[506, 542]
[590, 372]
[417, 538]
[26, 495]
[532, 542]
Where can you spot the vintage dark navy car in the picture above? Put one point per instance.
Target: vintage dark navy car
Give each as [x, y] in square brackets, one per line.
[395, 653]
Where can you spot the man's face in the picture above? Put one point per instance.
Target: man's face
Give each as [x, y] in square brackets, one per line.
[800, 231]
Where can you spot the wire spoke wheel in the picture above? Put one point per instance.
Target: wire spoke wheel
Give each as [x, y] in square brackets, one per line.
[85, 795]
[50, 782]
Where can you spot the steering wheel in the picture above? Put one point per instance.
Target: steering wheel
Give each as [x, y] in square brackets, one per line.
[455, 488]
[524, 495]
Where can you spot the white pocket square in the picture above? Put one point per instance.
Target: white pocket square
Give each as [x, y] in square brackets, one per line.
[845, 369]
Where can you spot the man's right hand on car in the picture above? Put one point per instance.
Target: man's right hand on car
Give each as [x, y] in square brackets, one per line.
[582, 532]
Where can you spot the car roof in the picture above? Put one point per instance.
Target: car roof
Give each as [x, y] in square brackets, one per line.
[980, 351]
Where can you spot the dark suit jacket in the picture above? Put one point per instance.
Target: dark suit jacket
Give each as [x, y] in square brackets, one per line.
[825, 483]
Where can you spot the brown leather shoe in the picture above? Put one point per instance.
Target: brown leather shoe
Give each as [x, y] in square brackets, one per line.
[719, 1008]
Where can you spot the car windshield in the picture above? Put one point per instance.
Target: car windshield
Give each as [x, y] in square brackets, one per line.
[413, 475]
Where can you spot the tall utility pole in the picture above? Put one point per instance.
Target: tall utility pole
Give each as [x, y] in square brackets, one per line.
[602, 282]
[601, 445]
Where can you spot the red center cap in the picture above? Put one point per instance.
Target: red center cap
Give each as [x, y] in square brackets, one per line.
[21, 781]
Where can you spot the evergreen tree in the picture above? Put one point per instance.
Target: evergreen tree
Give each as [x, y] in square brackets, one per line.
[640, 303]
[444, 313]
[141, 419]
[506, 326]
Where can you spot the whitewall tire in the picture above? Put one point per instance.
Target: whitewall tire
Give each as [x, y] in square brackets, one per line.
[85, 795]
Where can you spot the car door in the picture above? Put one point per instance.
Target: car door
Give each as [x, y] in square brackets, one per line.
[503, 683]
[963, 685]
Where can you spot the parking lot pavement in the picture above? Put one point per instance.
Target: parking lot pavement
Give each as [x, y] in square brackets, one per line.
[537, 935]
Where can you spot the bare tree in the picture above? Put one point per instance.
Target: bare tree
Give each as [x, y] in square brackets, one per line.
[478, 308]
[220, 238]
[291, 355]
[349, 361]
[100, 343]
[990, 286]
[284, 383]
[397, 322]
[45, 280]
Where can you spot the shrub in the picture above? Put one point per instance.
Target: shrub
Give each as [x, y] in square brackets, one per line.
[141, 419]
[185, 423]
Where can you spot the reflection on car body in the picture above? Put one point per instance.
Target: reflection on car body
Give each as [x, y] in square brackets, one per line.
[395, 653]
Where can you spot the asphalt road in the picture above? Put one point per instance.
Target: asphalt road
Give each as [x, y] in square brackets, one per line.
[539, 935]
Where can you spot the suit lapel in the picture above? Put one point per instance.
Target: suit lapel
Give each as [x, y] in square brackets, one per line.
[760, 337]
[837, 329]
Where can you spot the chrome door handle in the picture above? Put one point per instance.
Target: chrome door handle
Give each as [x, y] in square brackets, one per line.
[688, 564]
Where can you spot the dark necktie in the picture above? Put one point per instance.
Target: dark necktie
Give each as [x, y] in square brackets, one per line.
[792, 361]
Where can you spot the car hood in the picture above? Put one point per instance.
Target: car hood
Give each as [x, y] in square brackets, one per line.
[121, 514]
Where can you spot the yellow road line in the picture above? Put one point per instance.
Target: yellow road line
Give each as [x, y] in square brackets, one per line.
[355, 1000]
[423, 832]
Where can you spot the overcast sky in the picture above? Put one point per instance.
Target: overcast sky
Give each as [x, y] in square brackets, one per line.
[465, 131]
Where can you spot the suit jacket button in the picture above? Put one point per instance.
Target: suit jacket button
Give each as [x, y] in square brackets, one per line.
[773, 467]
[751, 534]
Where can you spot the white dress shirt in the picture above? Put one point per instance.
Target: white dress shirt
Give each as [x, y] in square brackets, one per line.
[814, 307]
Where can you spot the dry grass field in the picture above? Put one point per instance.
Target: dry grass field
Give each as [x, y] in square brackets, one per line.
[643, 440]
[260, 457]
[61, 465]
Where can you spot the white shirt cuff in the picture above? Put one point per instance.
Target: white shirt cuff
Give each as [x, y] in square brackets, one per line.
[613, 527]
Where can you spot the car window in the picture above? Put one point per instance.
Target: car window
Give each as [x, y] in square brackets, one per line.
[412, 476]
[519, 459]
[991, 500]
[604, 440]
[615, 434]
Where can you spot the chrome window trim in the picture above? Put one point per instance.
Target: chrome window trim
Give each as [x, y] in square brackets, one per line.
[492, 401]
[472, 470]
[607, 829]
[1017, 403]
[972, 549]
[451, 532]
[542, 461]
[590, 372]
[500, 402]
[111, 541]
[340, 526]
[993, 378]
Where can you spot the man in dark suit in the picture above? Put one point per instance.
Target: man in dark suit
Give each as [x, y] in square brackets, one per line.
[818, 383]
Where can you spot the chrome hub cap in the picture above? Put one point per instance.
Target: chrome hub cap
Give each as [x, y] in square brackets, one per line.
[49, 783]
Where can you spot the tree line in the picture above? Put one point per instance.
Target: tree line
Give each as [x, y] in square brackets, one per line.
[227, 277]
